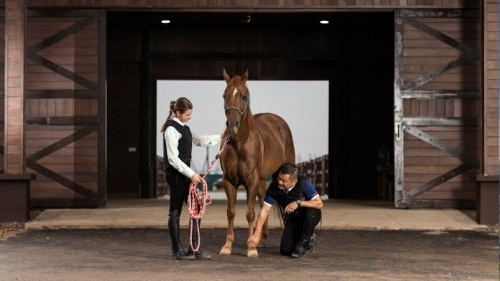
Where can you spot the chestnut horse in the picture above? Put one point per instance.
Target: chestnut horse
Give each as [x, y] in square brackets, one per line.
[258, 145]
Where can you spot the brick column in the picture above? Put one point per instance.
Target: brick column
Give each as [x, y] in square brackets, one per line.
[14, 86]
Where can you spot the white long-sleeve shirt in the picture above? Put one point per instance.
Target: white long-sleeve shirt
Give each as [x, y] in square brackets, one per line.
[172, 137]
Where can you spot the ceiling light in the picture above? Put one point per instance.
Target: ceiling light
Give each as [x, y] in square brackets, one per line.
[324, 22]
[165, 21]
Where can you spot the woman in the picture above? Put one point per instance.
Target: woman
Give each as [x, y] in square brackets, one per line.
[177, 147]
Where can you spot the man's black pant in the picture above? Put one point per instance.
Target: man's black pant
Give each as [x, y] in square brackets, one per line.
[297, 227]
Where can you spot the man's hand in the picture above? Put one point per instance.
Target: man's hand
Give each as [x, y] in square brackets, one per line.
[253, 241]
[290, 208]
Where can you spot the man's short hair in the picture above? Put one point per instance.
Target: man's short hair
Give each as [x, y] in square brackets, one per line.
[290, 169]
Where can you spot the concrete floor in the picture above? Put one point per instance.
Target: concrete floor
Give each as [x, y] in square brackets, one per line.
[345, 215]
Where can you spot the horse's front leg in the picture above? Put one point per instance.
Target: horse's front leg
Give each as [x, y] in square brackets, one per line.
[231, 193]
[252, 190]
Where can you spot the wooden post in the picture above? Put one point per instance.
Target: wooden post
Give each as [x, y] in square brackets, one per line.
[14, 184]
[14, 86]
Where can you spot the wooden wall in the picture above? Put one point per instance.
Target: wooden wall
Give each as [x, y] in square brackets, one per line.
[490, 88]
[62, 133]
[319, 5]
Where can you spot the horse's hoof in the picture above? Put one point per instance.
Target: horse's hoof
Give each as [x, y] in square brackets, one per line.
[225, 251]
[253, 254]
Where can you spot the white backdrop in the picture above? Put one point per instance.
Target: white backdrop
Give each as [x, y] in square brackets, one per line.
[303, 105]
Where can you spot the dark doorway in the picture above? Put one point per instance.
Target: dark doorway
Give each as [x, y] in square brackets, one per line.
[354, 52]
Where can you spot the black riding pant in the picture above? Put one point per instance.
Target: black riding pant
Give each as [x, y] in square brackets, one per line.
[300, 226]
[179, 189]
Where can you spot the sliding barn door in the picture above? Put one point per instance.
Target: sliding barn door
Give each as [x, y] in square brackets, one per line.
[437, 107]
[65, 94]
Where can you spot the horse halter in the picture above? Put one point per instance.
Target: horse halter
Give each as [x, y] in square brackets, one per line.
[247, 102]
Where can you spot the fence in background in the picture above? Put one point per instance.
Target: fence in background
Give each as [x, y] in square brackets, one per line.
[317, 172]
[161, 184]
[315, 169]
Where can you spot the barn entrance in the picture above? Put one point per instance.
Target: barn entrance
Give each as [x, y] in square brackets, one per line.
[354, 52]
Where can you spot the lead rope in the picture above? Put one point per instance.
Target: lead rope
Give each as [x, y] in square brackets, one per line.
[197, 203]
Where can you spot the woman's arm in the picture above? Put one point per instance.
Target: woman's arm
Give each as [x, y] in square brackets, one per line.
[207, 139]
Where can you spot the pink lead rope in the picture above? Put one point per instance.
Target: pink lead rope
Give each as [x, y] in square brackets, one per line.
[197, 203]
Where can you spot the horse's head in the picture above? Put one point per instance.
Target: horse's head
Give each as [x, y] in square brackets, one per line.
[236, 100]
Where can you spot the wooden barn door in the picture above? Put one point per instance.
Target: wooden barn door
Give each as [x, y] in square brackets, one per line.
[437, 107]
[65, 95]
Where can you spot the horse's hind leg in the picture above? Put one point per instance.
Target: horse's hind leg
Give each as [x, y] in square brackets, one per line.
[265, 229]
[231, 193]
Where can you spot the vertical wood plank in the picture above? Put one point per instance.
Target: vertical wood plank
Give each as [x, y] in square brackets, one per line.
[432, 108]
[51, 107]
[42, 107]
[59, 107]
[14, 86]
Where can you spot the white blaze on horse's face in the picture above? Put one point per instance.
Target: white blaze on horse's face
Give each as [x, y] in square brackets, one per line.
[236, 100]
[235, 106]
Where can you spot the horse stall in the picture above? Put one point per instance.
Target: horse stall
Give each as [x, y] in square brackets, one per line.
[419, 77]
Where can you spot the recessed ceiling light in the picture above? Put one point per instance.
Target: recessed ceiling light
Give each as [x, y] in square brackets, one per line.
[165, 21]
[324, 22]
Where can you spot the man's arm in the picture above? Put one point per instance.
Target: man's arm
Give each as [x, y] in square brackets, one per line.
[261, 219]
[315, 203]
[315, 200]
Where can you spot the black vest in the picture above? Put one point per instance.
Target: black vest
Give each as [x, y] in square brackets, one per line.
[283, 197]
[185, 144]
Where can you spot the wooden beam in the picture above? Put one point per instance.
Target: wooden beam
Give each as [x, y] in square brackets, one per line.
[62, 143]
[422, 95]
[15, 20]
[431, 121]
[59, 121]
[438, 72]
[61, 35]
[443, 37]
[410, 195]
[470, 160]
[300, 56]
[58, 94]
[398, 109]
[101, 87]
[439, 13]
[62, 71]
[60, 179]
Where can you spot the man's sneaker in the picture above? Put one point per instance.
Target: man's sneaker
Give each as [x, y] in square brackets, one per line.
[310, 248]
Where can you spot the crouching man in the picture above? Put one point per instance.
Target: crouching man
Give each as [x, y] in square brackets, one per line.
[300, 207]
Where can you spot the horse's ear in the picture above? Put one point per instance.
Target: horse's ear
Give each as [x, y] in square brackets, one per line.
[226, 77]
[244, 77]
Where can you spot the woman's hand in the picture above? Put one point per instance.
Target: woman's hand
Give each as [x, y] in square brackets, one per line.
[196, 179]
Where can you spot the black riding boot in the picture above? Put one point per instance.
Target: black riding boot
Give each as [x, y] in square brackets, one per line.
[301, 248]
[198, 254]
[306, 242]
[310, 248]
[173, 228]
